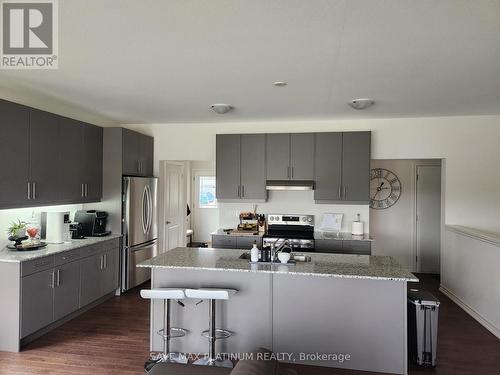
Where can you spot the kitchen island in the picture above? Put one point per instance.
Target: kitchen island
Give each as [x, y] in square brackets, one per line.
[337, 310]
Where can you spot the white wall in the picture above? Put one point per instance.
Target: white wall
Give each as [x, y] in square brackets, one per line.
[24, 214]
[468, 143]
[394, 228]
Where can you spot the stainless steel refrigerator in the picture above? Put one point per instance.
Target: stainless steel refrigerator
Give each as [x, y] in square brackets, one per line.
[139, 228]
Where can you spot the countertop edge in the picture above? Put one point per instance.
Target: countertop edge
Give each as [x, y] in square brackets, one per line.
[367, 277]
[70, 248]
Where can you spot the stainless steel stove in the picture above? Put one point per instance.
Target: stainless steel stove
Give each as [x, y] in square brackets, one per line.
[297, 229]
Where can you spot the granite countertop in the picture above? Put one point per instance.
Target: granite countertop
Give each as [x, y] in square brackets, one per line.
[318, 235]
[325, 265]
[7, 255]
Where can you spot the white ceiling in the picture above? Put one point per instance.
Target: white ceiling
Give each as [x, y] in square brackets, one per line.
[152, 61]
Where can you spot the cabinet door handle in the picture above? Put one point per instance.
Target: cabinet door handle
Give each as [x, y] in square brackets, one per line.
[340, 192]
[29, 191]
[238, 191]
[82, 192]
[242, 191]
[86, 190]
[292, 171]
[345, 192]
[100, 262]
[34, 190]
[58, 282]
[105, 256]
[52, 279]
[288, 172]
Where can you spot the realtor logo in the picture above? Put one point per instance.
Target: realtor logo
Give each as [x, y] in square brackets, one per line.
[29, 34]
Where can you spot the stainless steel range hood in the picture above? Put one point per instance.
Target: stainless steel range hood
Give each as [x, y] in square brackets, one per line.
[289, 185]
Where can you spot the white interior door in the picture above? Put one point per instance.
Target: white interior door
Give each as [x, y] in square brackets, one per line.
[428, 234]
[205, 213]
[174, 205]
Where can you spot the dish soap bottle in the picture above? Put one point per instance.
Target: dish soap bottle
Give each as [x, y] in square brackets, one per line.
[254, 252]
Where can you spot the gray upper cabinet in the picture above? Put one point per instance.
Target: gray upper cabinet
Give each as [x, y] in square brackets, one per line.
[253, 161]
[45, 156]
[302, 156]
[290, 156]
[14, 154]
[328, 167]
[356, 166]
[72, 161]
[342, 167]
[278, 156]
[240, 166]
[37, 309]
[227, 168]
[92, 178]
[137, 153]
[47, 159]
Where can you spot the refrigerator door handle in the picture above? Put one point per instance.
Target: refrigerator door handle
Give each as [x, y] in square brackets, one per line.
[150, 209]
[143, 246]
[143, 216]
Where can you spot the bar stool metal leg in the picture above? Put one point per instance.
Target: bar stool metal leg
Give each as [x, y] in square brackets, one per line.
[169, 332]
[213, 334]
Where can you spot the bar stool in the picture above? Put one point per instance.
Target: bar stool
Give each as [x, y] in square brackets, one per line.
[212, 333]
[167, 332]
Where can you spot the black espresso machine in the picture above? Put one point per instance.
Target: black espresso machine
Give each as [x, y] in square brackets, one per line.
[93, 222]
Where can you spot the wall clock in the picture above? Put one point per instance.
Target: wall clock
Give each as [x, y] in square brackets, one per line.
[385, 188]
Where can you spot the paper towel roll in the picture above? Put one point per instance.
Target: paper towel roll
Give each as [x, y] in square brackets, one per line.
[357, 228]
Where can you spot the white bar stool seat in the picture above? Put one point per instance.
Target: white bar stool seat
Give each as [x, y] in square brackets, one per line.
[167, 332]
[212, 333]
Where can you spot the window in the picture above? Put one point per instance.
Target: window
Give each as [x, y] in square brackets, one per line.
[206, 198]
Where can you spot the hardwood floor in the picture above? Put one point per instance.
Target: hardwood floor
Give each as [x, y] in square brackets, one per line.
[113, 338]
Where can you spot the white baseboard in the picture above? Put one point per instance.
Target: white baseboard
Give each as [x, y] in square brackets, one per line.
[469, 310]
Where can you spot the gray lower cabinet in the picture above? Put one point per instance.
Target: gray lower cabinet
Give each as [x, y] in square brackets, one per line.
[90, 279]
[109, 276]
[357, 247]
[56, 286]
[67, 289]
[240, 166]
[224, 241]
[37, 308]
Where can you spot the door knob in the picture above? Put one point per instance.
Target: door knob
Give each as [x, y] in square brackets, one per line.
[168, 222]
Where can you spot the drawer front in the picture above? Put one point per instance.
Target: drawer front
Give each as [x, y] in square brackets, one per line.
[110, 244]
[36, 265]
[224, 242]
[247, 242]
[67, 256]
[328, 246]
[90, 250]
[357, 247]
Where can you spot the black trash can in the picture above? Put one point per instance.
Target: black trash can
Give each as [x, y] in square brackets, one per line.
[423, 311]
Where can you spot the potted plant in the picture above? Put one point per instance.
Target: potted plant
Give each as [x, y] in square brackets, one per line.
[17, 229]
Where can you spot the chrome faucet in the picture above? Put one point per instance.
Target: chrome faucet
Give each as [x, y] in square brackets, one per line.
[275, 250]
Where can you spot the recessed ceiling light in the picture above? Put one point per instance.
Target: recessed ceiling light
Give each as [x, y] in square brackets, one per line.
[280, 83]
[221, 108]
[361, 103]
